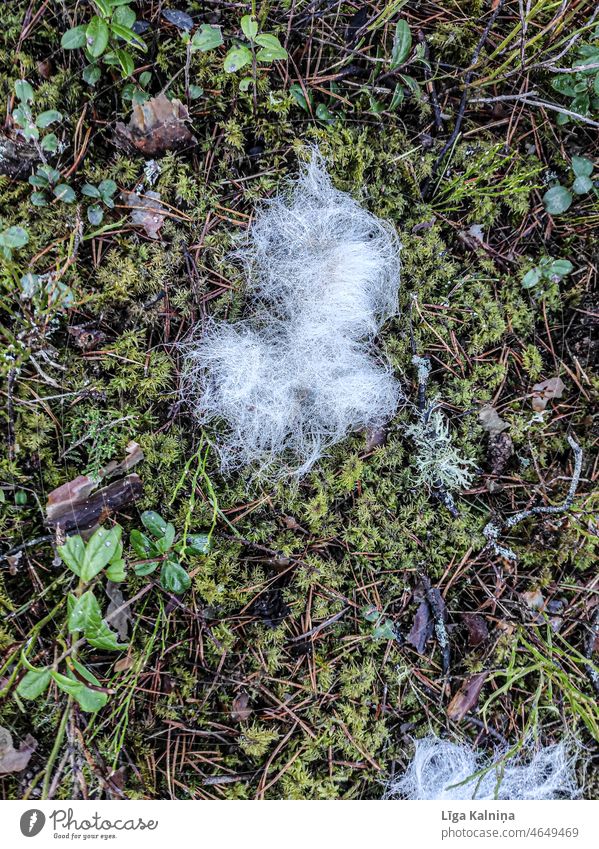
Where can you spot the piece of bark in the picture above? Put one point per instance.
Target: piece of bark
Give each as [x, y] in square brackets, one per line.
[17, 158]
[98, 506]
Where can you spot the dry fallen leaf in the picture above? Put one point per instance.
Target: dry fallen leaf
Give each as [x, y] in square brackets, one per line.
[146, 211]
[240, 710]
[155, 126]
[490, 420]
[476, 627]
[422, 627]
[546, 391]
[466, 697]
[11, 759]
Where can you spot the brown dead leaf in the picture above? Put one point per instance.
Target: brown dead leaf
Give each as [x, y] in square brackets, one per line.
[533, 599]
[422, 627]
[124, 663]
[240, 710]
[476, 627]
[73, 492]
[466, 697]
[146, 212]
[11, 759]
[490, 420]
[155, 126]
[546, 391]
[120, 622]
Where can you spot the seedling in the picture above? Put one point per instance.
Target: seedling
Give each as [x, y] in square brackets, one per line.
[548, 270]
[559, 198]
[103, 37]
[160, 548]
[29, 124]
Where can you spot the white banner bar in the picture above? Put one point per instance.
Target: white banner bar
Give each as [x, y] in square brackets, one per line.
[301, 825]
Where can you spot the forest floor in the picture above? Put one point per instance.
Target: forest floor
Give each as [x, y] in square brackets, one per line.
[276, 640]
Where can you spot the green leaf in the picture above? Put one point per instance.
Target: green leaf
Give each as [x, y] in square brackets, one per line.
[154, 523]
[50, 116]
[557, 200]
[402, 44]
[531, 278]
[85, 613]
[115, 571]
[561, 267]
[245, 83]
[124, 16]
[564, 84]
[398, 97]
[73, 38]
[197, 544]
[89, 700]
[24, 91]
[91, 74]
[105, 7]
[34, 683]
[65, 193]
[297, 92]
[207, 38]
[49, 143]
[95, 215]
[323, 113]
[99, 551]
[90, 191]
[272, 48]
[371, 614]
[237, 58]
[129, 36]
[141, 544]
[30, 284]
[143, 569]
[107, 188]
[582, 185]
[195, 91]
[39, 199]
[14, 237]
[174, 578]
[165, 542]
[582, 166]
[96, 36]
[249, 26]
[126, 62]
[104, 638]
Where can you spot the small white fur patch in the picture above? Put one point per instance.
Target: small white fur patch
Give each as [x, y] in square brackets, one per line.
[450, 771]
[301, 372]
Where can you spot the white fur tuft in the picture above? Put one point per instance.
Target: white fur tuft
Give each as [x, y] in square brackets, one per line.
[438, 766]
[301, 373]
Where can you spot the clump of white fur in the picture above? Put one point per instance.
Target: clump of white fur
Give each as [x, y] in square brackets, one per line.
[450, 771]
[301, 372]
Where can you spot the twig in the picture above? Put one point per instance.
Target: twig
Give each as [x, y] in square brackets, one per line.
[492, 531]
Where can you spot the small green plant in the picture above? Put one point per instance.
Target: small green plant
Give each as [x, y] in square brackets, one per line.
[558, 199]
[11, 239]
[47, 179]
[581, 86]
[103, 192]
[255, 46]
[102, 554]
[29, 124]
[103, 38]
[161, 547]
[383, 627]
[548, 270]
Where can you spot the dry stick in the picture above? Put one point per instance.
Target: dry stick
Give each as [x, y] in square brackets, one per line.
[492, 530]
[427, 187]
[527, 100]
[589, 648]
